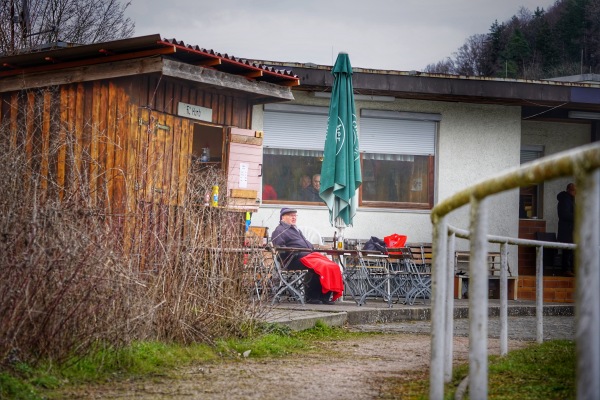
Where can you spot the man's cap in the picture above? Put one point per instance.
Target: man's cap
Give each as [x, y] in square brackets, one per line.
[286, 211]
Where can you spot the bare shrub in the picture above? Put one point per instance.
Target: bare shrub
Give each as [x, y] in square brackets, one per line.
[63, 287]
[205, 282]
[67, 284]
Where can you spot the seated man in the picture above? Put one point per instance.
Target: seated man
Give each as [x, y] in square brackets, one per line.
[324, 280]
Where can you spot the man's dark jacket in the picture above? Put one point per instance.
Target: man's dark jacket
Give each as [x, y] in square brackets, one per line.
[286, 235]
[326, 276]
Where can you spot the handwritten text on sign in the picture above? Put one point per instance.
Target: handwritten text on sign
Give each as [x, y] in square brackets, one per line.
[195, 112]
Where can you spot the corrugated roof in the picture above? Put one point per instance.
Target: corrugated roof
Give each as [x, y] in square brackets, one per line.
[143, 46]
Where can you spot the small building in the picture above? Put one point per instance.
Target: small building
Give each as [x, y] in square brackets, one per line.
[121, 122]
[424, 137]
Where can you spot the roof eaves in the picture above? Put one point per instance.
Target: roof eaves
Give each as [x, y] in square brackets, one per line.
[55, 64]
[236, 65]
[143, 46]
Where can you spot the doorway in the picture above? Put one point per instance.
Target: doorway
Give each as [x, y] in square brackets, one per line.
[208, 139]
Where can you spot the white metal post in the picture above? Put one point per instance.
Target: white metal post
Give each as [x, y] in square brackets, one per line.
[539, 293]
[503, 299]
[587, 264]
[449, 328]
[438, 308]
[478, 302]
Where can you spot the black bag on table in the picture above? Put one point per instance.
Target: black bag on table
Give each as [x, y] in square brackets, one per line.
[375, 244]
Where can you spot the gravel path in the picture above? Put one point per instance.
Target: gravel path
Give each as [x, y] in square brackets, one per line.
[353, 369]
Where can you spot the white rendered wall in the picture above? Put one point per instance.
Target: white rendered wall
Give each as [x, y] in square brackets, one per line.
[477, 142]
[474, 142]
[555, 137]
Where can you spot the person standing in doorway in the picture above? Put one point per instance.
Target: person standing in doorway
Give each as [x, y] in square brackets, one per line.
[566, 223]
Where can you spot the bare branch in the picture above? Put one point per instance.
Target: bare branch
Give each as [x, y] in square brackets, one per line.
[71, 21]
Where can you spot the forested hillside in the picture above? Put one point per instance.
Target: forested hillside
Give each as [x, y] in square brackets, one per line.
[563, 40]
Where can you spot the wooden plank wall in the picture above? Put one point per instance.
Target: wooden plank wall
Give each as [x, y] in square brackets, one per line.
[160, 160]
[229, 108]
[83, 143]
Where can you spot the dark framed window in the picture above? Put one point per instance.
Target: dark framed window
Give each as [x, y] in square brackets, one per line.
[397, 155]
[404, 181]
[290, 173]
[531, 197]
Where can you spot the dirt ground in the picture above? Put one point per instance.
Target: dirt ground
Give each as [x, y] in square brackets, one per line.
[348, 369]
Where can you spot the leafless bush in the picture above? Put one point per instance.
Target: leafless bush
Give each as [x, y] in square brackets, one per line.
[63, 286]
[203, 282]
[67, 284]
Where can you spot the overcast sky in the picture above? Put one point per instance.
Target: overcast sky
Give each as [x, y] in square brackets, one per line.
[398, 35]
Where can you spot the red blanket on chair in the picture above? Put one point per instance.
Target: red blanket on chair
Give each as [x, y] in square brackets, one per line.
[329, 271]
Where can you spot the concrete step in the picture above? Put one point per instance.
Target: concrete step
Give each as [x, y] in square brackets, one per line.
[299, 317]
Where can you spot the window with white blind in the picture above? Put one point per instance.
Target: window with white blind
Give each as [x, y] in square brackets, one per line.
[397, 155]
[294, 136]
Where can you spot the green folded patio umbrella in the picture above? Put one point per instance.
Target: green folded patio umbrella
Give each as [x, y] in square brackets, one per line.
[340, 171]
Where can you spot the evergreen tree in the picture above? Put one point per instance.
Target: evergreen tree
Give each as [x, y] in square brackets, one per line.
[495, 43]
[571, 28]
[592, 35]
[545, 54]
[516, 54]
[563, 40]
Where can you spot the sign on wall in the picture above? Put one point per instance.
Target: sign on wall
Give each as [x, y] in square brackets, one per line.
[243, 175]
[194, 112]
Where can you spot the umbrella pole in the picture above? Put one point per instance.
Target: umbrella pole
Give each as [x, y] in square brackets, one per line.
[340, 227]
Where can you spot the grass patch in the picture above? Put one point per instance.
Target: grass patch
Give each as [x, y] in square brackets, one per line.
[146, 359]
[138, 359]
[544, 371]
[12, 387]
[279, 340]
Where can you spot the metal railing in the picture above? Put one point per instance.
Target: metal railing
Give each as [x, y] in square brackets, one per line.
[584, 164]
